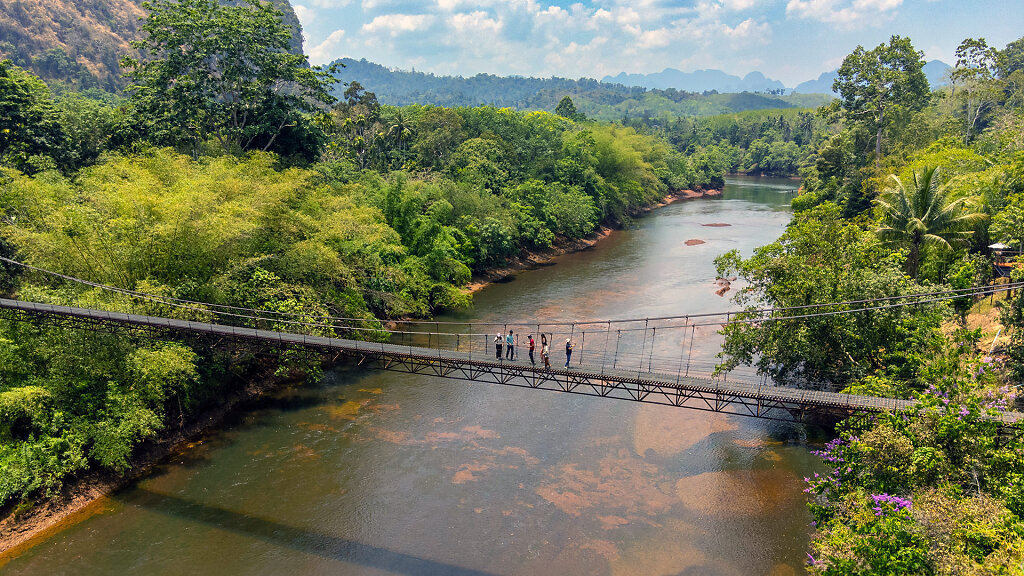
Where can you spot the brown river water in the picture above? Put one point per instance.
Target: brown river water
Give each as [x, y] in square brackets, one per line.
[385, 473]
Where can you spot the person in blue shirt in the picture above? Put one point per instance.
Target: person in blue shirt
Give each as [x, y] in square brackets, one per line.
[510, 346]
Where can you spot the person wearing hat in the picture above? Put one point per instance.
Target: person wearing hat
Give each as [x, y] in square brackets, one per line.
[568, 351]
[498, 341]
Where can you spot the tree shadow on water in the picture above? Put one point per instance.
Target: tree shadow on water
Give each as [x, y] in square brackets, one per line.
[300, 539]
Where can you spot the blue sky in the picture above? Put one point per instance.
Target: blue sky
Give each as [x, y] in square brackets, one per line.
[788, 40]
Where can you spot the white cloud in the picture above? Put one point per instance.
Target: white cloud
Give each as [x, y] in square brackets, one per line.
[738, 5]
[880, 5]
[747, 30]
[842, 13]
[397, 23]
[325, 52]
[476, 22]
[329, 3]
[539, 38]
[655, 38]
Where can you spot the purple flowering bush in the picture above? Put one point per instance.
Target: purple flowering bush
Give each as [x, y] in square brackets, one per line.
[932, 491]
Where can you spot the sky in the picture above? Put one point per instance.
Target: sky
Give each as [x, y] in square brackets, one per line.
[787, 40]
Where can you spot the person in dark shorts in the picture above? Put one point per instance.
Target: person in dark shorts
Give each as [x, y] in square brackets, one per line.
[532, 344]
[497, 345]
[510, 347]
[568, 351]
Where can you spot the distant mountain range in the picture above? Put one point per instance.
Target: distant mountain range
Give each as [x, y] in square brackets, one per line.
[699, 81]
[598, 100]
[718, 81]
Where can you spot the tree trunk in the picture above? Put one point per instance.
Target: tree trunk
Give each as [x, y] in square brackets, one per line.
[913, 260]
[878, 139]
[878, 148]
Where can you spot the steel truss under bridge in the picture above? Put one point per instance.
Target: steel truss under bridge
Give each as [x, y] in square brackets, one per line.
[755, 399]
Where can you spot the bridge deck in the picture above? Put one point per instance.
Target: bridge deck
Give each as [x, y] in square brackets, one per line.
[754, 399]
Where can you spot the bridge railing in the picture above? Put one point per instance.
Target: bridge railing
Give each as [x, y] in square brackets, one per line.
[686, 346]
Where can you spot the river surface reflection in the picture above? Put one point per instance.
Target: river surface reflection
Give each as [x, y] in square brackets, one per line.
[382, 473]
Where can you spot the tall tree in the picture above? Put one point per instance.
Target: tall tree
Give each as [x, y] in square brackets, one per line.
[874, 85]
[357, 122]
[1011, 58]
[567, 109]
[1011, 72]
[400, 129]
[222, 72]
[975, 86]
[30, 125]
[923, 215]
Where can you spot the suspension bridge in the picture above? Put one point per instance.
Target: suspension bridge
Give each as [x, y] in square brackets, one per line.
[646, 360]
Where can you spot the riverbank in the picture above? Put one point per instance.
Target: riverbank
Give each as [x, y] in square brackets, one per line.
[562, 246]
[82, 497]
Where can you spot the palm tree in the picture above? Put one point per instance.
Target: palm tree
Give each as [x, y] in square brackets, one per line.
[400, 128]
[924, 215]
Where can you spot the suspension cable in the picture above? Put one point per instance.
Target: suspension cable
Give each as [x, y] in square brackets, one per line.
[193, 305]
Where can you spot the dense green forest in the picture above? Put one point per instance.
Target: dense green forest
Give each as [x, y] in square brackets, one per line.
[904, 195]
[598, 100]
[255, 188]
[757, 142]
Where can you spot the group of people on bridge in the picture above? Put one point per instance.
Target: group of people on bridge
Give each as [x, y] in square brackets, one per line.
[509, 343]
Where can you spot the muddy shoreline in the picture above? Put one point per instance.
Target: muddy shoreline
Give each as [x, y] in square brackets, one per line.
[80, 496]
[19, 532]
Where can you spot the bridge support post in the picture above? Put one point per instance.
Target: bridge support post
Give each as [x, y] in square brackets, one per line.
[604, 353]
[650, 357]
[693, 333]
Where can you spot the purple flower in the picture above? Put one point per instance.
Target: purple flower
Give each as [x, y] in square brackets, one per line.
[885, 502]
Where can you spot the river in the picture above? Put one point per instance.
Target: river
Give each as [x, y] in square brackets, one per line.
[383, 473]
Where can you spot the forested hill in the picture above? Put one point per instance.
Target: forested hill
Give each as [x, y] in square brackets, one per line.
[595, 99]
[80, 42]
